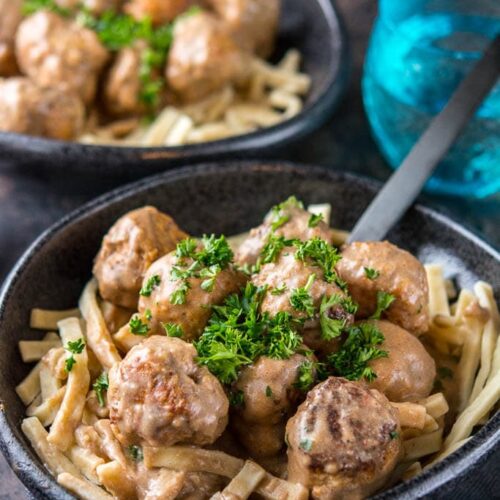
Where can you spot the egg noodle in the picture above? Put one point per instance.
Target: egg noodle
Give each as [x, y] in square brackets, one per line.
[71, 433]
[273, 94]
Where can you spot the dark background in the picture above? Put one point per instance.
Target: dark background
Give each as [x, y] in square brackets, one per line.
[30, 202]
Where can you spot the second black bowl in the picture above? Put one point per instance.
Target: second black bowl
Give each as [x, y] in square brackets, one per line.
[311, 26]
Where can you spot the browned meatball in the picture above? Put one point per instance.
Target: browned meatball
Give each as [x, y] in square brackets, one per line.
[203, 58]
[192, 315]
[159, 11]
[10, 18]
[55, 52]
[284, 277]
[158, 396]
[122, 84]
[399, 273]
[253, 23]
[294, 224]
[408, 373]
[132, 244]
[343, 440]
[28, 109]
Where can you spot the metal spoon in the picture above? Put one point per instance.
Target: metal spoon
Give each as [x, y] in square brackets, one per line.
[405, 184]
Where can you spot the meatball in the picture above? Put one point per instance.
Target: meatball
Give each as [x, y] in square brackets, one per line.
[9, 21]
[294, 222]
[55, 52]
[158, 396]
[260, 440]
[203, 58]
[269, 389]
[122, 85]
[192, 315]
[132, 244]
[253, 23]
[28, 109]
[159, 11]
[285, 276]
[343, 440]
[399, 273]
[408, 373]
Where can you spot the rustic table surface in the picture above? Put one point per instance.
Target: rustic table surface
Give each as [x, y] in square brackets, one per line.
[30, 202]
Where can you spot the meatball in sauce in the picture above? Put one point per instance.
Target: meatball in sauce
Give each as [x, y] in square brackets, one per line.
[10, 18]
[343, 442]
[159, 396]
[396, 272]
[132, 244]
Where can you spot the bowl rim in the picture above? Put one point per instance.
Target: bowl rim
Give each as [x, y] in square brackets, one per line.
[310, 118]
[477, 450]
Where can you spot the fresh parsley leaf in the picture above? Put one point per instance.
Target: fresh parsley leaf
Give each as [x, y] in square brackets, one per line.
[216, 251]
[305, 444]
[211, 274]
[361, 346]
[173, 330]
[150, 285]
[384, 300]
[282, 339]
[237, 399]
[306, 376]
[314, 220]
[273, 248]
[321, 254]
[100, 385]
[335, 312]
[279, 290]
[186, 248]
[148, 314]
[394, 434]
[301, 299]
[137, 327]
[73, 347]
[135, 453]
[280, 221]
[32, 6]
[370, 273]
[178, 297]
[269, 392]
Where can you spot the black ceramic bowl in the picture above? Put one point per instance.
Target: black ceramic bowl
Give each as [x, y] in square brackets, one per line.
[226, 199]
[311, 26]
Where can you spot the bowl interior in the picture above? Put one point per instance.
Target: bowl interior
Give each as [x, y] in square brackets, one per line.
[222, 199]
[313, 27]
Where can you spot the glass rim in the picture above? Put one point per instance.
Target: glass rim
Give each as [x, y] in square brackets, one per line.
[472, 55]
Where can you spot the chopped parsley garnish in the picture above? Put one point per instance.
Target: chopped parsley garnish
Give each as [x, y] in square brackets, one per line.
[238, 333]
[186, 248]
[280, 221]
[237, 399]
[279, 290]
[31, 6]
[334, 314]
[150, 285]
[148, 314]
[269, 392]
[135, 453]
[215, 251]
[314, 220]
[211, 274]
[394, 434]
[384, 300]
[323, 255]
[306, 376]
[361, 347]
[100, 385]
[73, 347]
[301, 300]
[305, 444]
[273, 248]
[370, 273]
[137, 327]
[173, 330]
[178, 297]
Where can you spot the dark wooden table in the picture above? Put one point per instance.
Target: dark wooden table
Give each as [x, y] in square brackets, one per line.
[30, 202]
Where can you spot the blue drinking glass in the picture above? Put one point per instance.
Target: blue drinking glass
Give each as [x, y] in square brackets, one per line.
[419, 52]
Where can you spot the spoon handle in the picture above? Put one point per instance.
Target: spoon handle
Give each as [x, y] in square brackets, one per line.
[405, 184]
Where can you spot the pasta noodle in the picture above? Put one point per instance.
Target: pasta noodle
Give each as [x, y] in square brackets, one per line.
[43, 319]
[83, 488]
[273, 94]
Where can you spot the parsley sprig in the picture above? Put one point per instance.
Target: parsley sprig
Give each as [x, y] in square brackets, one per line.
[334, 314]
[384, 300]
[371, 274]
[314, 220]
[150, 285]
[238, 333]
[306, 376]
[173, 330]
[100, 385]
[301, 300]
[73, 347]
[137, 326]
